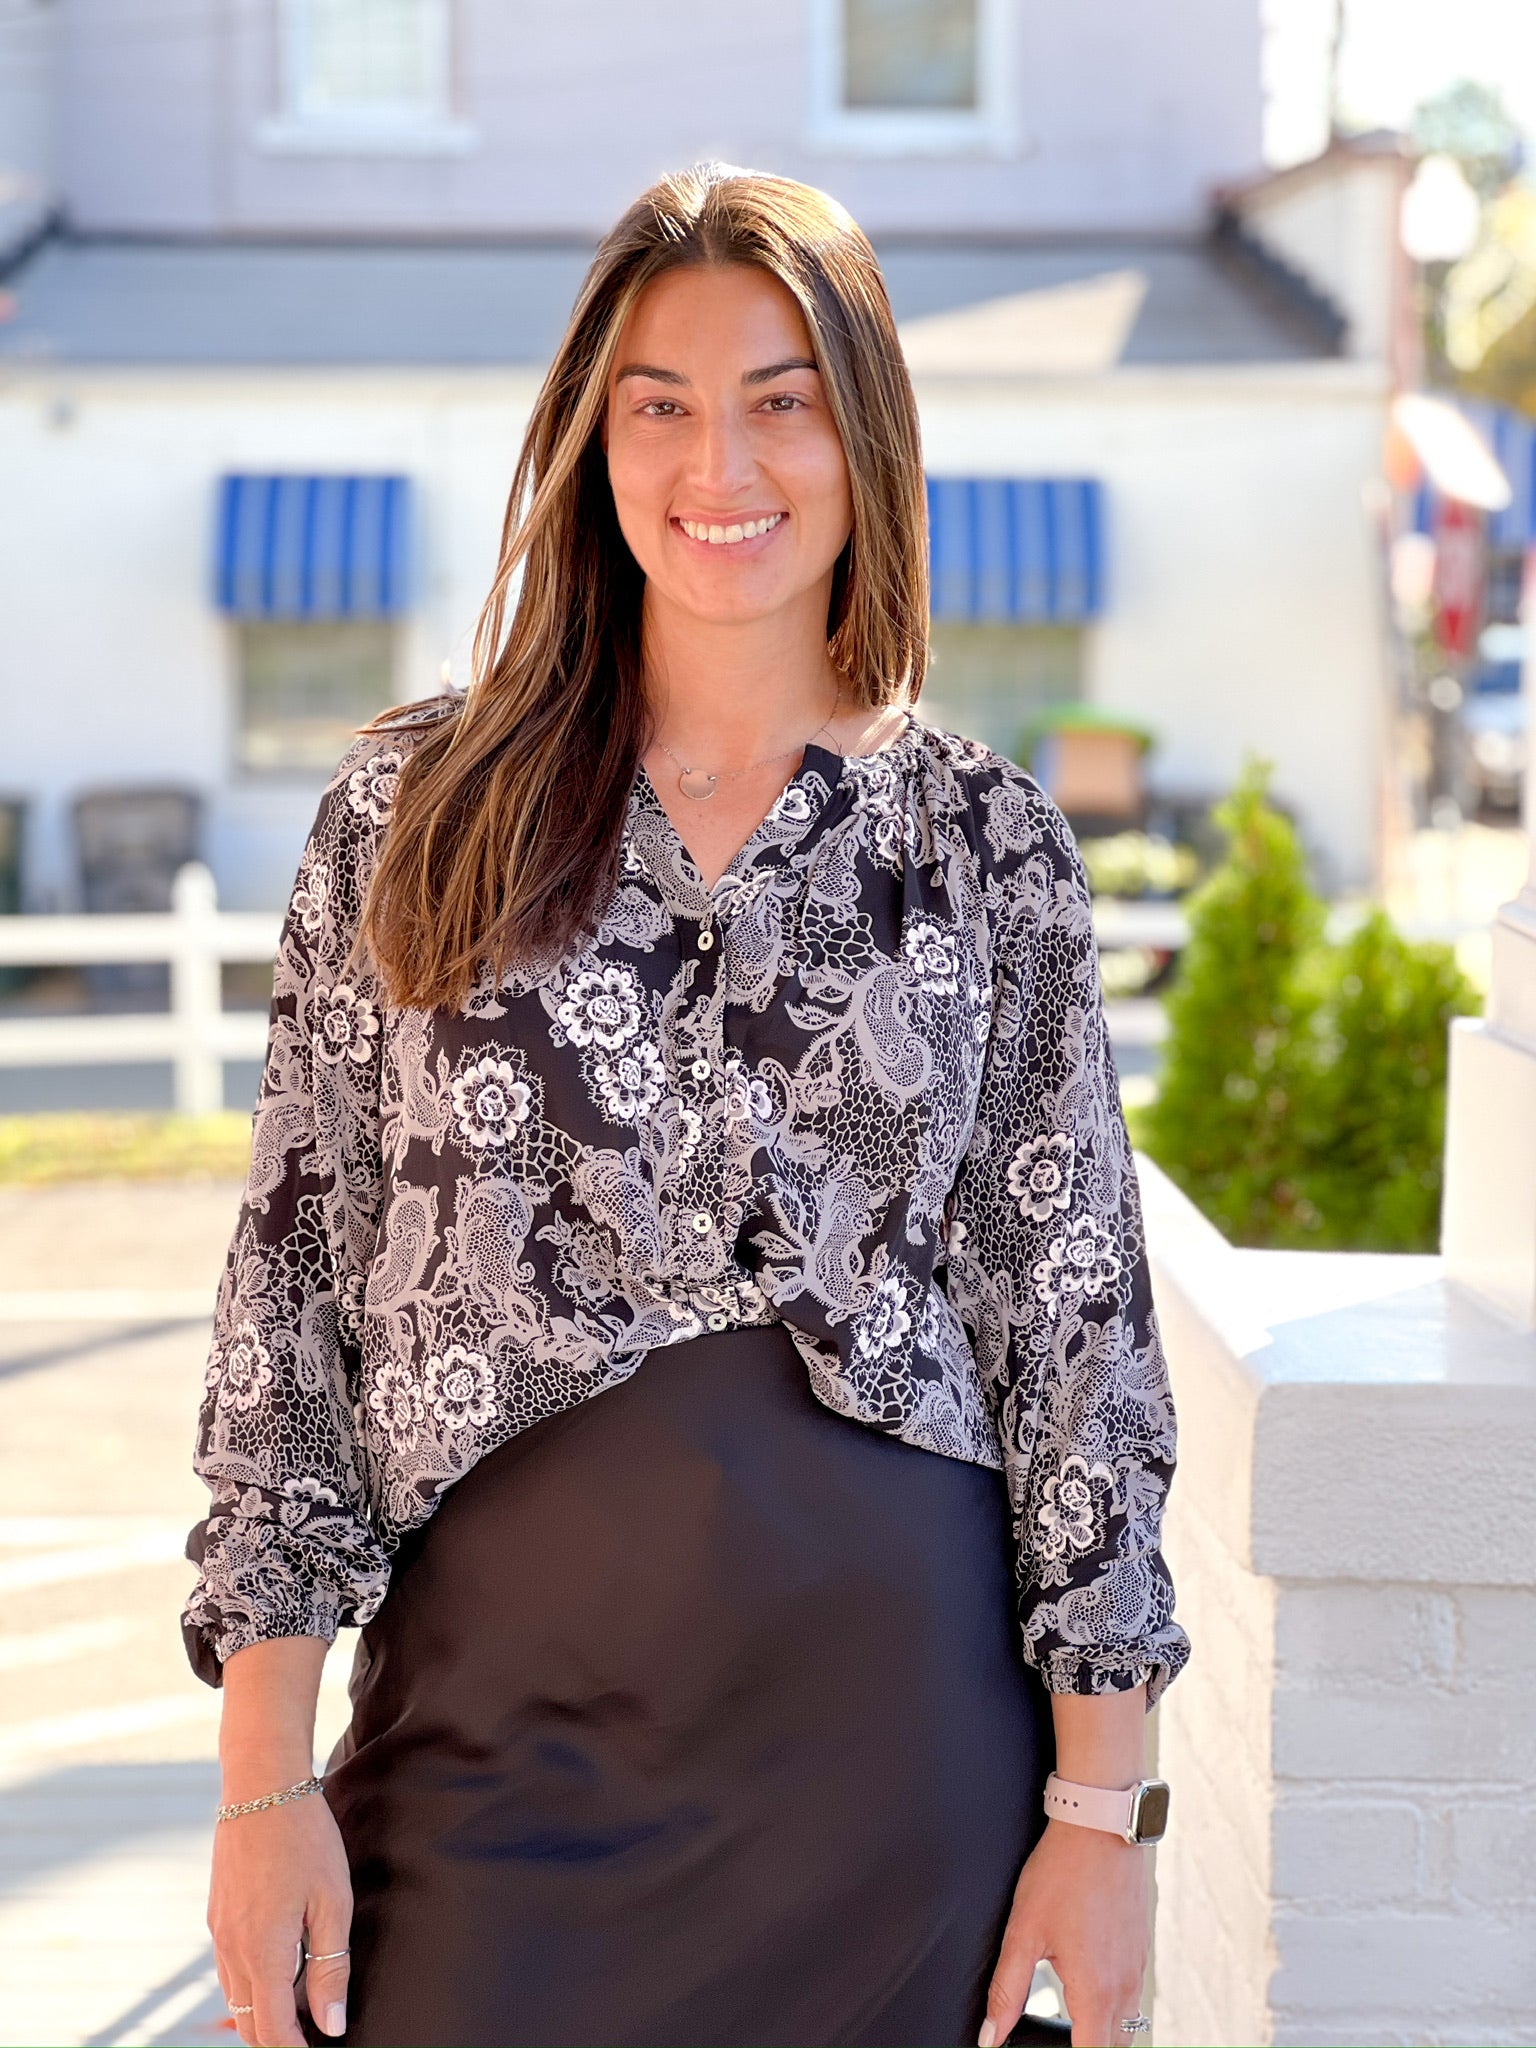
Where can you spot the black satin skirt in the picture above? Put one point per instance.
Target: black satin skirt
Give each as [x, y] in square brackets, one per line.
[695, 1718]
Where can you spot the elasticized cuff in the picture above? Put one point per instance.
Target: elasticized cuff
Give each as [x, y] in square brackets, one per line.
[1119, 1668]
[213, 1633]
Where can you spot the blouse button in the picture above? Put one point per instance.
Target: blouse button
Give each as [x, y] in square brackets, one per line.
[700, 1070]
[706, 939]
[718, 1322]
[702, 1221]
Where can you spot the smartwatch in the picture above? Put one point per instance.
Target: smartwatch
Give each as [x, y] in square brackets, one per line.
[1137, 1814]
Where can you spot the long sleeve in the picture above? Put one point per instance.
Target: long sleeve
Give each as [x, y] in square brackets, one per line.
[1046, 1264]
[287, 1547]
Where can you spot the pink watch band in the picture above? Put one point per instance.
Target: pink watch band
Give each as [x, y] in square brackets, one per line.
[1098, 1806]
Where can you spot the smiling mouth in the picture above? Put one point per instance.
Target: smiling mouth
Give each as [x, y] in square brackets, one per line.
[730, 536]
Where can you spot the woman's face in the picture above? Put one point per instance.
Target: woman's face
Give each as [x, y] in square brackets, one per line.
[728, 473]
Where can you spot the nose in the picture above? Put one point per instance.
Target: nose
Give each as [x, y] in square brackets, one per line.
[723, 466]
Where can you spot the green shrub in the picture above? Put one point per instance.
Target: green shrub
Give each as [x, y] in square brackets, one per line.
[1302, 1095]
[1375, 1101]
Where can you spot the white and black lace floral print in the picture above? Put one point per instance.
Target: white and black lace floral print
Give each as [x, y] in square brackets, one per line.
[861, 1086]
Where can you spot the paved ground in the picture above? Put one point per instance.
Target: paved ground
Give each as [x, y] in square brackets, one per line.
[107, 1742]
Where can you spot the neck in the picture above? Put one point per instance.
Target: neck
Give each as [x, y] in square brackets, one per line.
[727, 693]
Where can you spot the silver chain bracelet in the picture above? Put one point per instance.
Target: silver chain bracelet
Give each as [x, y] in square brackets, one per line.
[300, 1791]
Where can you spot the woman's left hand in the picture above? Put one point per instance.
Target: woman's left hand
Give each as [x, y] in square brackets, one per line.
[1082, 1904]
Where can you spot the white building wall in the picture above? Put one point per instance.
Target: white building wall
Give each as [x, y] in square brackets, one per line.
[1241, 614]
[28, 166]
[1336, 222]
[1121, 117]
[114, 664]
[1236, 622]
[144, 96]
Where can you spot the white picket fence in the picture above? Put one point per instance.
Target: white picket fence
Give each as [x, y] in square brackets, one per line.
[196, 1035]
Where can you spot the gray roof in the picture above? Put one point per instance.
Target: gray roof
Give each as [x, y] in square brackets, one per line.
[231, 303]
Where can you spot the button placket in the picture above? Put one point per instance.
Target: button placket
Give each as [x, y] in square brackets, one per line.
[699, 1248]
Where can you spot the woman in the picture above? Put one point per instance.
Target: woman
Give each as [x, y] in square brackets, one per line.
[689, 1304]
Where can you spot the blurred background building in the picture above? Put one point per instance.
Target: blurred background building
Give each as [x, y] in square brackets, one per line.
[283, 276]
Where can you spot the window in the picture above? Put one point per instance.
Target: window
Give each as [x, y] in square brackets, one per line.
[909, 76]
[988, 680]
[365, 73]
[367, 57]
[305, 685]
[910, 53]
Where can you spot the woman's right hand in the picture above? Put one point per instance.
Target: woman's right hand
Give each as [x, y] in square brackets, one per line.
[280, 1881]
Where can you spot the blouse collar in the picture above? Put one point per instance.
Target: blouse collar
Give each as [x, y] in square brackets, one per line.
[823, 786]
[800, 806]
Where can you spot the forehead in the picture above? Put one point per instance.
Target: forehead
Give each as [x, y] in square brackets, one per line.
[706, 310]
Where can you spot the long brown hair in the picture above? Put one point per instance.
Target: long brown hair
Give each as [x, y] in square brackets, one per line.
[506, 830]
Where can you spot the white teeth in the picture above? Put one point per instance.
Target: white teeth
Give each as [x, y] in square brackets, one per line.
[728, 536]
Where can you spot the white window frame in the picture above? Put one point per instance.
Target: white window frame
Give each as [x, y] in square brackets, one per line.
[988, 129]
[427, 130]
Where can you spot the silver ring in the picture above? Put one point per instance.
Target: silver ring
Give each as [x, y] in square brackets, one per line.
[1136, 2025]
[335, 1956]
[242, 2008]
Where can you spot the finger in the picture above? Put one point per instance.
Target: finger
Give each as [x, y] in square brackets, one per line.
[1091, 2028]
[277, 2015]
[1009, 1988]
[237, 1993]
[330, 1968]
[1096, 2014]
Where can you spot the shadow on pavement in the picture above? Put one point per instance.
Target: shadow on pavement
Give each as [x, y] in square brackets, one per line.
[64, 1816]
[183, 2025]
[105, 1338]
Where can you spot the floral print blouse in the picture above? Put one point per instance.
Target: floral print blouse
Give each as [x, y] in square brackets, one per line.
[861, 1086]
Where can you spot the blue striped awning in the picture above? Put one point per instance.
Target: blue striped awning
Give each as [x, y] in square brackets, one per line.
[1027, 549]
[1512, 437]
[313, 547]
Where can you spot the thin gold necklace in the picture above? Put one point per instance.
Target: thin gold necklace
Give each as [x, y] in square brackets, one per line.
[699, 784]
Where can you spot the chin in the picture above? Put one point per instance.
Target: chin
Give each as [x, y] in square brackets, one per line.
[731, 608]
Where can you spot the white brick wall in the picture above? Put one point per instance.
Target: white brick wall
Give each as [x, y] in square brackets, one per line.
[1352, 1855]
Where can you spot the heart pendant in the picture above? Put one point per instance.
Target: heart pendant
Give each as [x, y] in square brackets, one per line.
[695, 783]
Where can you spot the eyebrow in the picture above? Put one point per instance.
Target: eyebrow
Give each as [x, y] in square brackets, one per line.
[765, 375]
[772, 370]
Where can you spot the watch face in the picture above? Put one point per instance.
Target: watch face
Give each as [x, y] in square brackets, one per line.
[1151, 1820]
